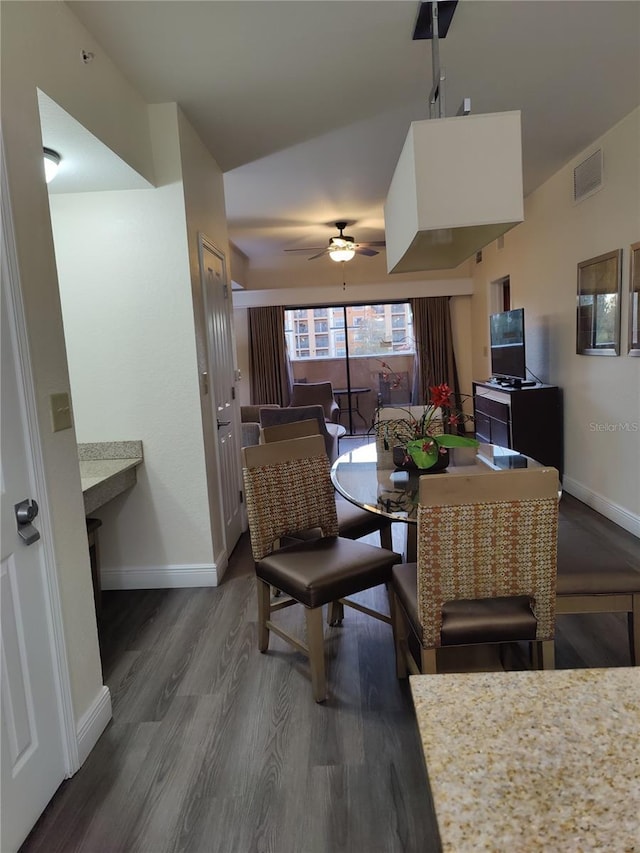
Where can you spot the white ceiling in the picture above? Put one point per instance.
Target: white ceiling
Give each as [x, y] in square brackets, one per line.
[306, 105]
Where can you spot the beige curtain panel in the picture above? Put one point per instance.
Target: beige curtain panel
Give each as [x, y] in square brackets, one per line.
[269, 365]
[435, 358]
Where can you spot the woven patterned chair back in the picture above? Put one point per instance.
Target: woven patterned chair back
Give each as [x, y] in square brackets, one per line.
[393, 426]
[314, 393]
[487, 536]
[287, 488]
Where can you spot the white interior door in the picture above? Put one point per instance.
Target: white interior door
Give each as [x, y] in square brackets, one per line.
[32, 756]
[218, 310]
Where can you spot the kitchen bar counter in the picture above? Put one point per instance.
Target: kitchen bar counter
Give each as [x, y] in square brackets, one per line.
[533, 761]
[107, 469]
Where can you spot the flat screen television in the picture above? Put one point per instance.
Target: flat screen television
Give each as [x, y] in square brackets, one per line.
[507, 345]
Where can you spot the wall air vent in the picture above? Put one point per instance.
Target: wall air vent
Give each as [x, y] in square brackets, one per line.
[587, 177]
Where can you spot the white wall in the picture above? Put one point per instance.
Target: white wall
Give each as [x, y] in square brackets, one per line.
[126, 299]
[205, 214]
[602, 468]
[41, 44]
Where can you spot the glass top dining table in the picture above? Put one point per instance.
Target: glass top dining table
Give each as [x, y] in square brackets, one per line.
[376, 485]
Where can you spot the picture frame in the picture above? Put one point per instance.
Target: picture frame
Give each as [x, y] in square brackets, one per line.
[633, 341]
[598, 304]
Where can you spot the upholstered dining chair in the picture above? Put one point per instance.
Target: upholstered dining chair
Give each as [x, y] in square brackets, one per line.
[593, 578]
[353, 521]
[316, 393]
[486, 569]
[288, 488]
[329, 431]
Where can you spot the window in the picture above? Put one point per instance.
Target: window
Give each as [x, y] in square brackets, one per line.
[360, 330]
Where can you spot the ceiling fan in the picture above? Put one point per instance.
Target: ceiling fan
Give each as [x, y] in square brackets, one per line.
[342, 247]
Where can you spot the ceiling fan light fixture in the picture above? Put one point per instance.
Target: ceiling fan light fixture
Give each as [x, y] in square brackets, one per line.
[341, 254]
[51, 163]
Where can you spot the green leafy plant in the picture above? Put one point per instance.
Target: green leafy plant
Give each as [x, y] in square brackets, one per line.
[425, 436]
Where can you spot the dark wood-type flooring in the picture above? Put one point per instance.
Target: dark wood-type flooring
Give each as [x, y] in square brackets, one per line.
[215, 748]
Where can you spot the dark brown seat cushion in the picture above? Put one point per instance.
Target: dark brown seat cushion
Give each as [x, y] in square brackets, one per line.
[487, 620]
[322, 570]
[586, 566]
[353, 522]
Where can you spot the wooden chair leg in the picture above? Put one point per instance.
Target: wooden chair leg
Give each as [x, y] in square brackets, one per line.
[429, 664]
[400, 633]
[386, 539]
[264, 610]
[335, 613]
[315, 638]
[633, 621]
[548, 654]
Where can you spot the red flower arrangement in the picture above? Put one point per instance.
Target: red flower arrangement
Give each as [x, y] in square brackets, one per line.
[425, 437]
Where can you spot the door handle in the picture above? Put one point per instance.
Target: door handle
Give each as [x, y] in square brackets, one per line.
[26, 511]
[223, 423]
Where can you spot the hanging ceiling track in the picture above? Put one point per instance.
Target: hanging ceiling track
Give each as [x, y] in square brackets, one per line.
[436, 96]
[433, 21]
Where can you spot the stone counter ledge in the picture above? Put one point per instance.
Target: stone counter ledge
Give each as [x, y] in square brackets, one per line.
[110, 450]
[106, 470]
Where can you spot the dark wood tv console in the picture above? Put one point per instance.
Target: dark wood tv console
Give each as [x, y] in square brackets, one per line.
[528, 420]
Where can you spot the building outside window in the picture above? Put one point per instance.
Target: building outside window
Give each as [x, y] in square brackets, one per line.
[372, 329]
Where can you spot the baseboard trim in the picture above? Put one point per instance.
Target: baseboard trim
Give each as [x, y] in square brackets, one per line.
[618, 514]
[92, 723]
[161, 577]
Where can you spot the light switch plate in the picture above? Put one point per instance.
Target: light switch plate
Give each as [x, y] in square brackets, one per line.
[60, 412]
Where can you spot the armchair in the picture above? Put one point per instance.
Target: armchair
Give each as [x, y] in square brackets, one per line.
[317, 393]
[250, 423]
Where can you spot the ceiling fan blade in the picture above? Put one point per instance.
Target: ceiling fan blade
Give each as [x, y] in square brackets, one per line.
[372, 243]
[307, 249]
[368, 252]
[319, 255]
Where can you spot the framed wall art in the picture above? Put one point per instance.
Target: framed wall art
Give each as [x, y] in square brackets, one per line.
[634, 300]
[598, 304]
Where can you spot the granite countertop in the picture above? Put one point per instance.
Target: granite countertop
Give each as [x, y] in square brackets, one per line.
[533, 761]
[107, 469]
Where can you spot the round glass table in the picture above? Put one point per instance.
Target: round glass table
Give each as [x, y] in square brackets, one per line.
[376, 485]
